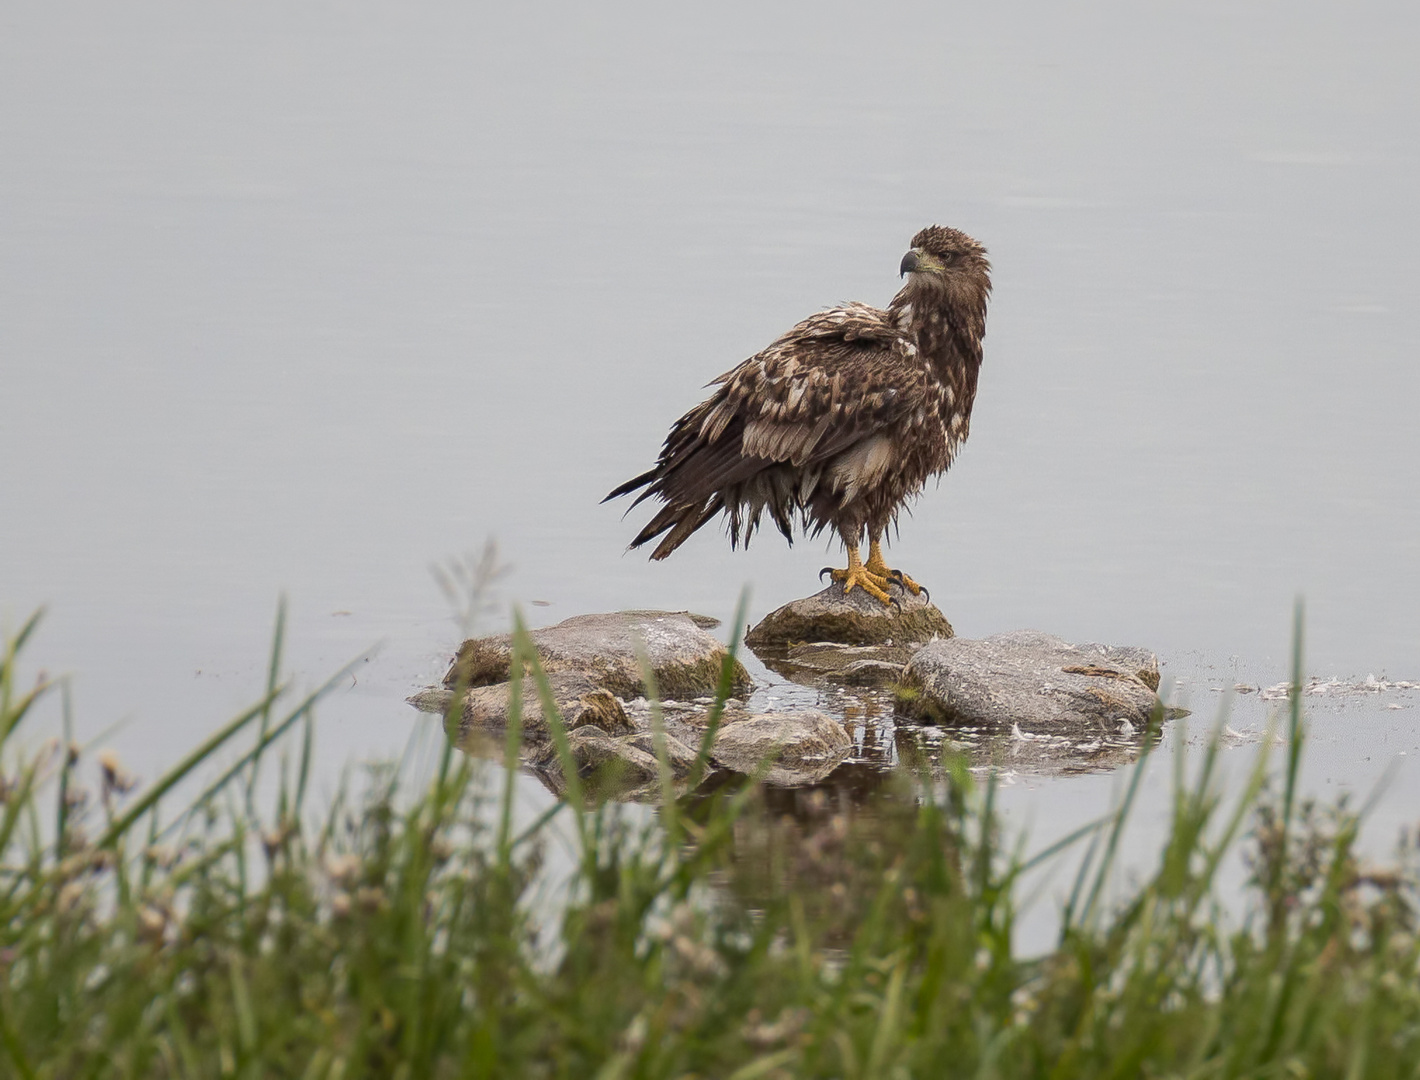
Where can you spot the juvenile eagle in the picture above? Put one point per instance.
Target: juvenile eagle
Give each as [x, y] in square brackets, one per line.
[837, 423]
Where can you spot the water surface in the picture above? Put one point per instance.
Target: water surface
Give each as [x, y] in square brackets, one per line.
[305, 299]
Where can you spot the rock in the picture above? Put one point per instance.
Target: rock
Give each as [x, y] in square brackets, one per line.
[625, 767]
[806, 745]
[705, 622]
[1142, 663]
[852, 619]
[432, 699]
[592, 748]
[1033, 681]
[679, 756]
[685, 658]
[486, 708]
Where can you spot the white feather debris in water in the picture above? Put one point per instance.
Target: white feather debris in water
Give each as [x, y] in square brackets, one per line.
[1335, 687]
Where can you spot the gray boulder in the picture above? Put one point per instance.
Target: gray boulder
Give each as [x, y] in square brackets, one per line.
[852, 619]
[606, 648]
[487, 708]
[805, 745]
[1034, 681]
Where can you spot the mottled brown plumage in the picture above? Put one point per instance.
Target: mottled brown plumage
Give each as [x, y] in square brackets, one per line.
[837, 423]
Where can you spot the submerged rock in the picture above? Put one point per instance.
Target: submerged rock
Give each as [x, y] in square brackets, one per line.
[607, 649]
[852, 619]
[1032, 682]
[592, 748]
[679, 755]
[626, 767]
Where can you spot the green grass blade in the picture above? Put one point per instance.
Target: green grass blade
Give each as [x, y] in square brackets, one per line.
[524, 648]
[273, 678]
[722, 694]
[237, 767]
[664, 775]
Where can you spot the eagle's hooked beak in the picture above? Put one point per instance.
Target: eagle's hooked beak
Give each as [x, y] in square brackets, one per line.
[909, 263]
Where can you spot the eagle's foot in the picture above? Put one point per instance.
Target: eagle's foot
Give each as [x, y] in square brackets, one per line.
[875, 585]
[878, 567]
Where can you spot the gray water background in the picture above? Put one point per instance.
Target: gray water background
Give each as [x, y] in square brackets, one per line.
[307, 297]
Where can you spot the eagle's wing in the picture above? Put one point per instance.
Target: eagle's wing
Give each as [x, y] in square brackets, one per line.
[833, 381]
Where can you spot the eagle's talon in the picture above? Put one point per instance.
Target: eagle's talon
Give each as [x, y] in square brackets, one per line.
[897, 577]
[910, 585]
[825, 570]
[875, 585]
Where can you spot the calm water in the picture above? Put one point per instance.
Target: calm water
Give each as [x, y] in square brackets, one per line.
[306, 298]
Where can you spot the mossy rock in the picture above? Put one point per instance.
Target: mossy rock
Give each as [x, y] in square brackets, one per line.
[854, 618]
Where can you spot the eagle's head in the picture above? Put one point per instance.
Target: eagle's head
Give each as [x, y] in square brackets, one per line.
[948, 282]
[943, 257]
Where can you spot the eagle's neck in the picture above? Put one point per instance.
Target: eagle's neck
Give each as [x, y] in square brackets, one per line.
[944, 323]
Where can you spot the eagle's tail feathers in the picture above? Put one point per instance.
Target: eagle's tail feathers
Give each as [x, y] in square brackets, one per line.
[687, 520]
[665, 519]
[632, 484]
[784, 520]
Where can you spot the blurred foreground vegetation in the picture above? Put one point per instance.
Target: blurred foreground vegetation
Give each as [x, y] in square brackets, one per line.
[408, 932]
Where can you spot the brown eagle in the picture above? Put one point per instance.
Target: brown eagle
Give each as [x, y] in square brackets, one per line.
[837, 423]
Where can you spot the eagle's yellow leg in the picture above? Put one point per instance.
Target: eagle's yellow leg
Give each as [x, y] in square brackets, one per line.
[876, 566]
[872, 583]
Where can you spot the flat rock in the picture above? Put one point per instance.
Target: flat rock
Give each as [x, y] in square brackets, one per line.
[607, 648]
[1035, 682]
[487, 708]
[804, 744]
[852, 619]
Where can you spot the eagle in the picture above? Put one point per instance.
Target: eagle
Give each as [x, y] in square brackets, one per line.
[838, 423]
